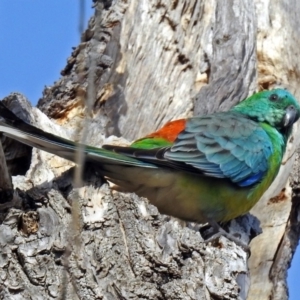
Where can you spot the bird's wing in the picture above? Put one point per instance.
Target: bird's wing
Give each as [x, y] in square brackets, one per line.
[222, 145]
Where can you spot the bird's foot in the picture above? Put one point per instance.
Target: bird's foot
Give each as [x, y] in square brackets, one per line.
[218, 231]
[230, 237]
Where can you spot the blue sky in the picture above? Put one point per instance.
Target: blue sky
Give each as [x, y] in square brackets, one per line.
[36, 38]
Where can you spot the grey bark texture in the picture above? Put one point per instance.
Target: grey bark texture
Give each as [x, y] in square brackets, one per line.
[139, 65]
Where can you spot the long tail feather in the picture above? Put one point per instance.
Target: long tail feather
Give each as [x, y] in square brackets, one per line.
[15, 128]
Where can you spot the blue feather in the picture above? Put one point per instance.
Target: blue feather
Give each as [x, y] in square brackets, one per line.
[225, 145]
[252, 179]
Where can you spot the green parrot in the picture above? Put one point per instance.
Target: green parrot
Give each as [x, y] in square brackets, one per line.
[210, 168]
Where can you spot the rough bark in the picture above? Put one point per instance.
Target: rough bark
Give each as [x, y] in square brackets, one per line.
[139, 65]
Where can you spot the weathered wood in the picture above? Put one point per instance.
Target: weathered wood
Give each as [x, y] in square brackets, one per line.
[149, 62]
[231, 59]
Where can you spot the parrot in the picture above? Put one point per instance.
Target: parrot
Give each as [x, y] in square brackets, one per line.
[204, 169]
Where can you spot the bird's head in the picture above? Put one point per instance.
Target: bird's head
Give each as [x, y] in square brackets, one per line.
[278, 108]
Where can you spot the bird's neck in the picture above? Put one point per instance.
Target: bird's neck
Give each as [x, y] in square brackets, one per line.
[257, 116]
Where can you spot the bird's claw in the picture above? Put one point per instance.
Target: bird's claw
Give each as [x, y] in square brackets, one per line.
[230, 237]
[216, 231]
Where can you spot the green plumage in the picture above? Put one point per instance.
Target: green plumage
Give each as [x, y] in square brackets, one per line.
[216, 169]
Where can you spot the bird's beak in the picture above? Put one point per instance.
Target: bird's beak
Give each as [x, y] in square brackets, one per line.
[291, 116]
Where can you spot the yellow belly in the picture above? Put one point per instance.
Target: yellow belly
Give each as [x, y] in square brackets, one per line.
[187, 196]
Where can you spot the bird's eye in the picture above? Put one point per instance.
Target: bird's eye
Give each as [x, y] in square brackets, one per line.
[274, 97]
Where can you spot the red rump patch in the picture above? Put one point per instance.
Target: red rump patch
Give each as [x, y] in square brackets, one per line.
[170, 131]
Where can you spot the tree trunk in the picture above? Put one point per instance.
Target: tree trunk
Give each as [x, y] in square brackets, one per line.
[139, 65]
